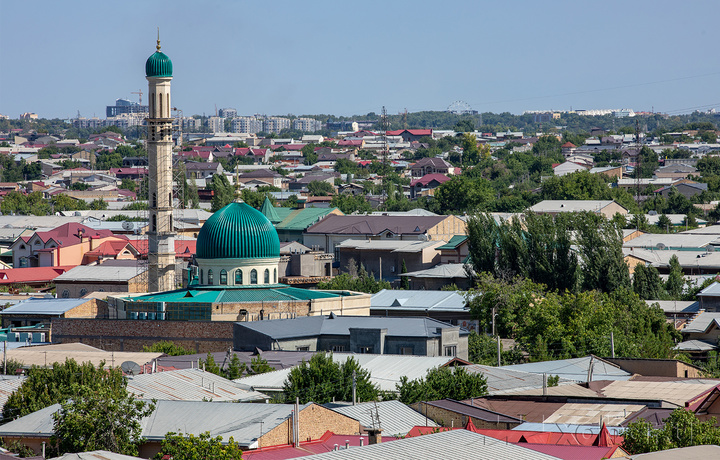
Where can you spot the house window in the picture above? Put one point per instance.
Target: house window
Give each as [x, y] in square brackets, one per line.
[223, 277]
[23, 262]
[202, 277]
[210, 277]
[305, 348]
[83, 292]
[451, 350]
[22, 246]
[365, 349]
[338, 348]
[253, 276]
[37, 242]
[65, 294]
[267, 276]
[406, 351]
[238, 277]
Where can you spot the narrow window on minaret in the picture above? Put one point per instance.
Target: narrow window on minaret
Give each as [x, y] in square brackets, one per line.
[267, 276]
[152, 104]
[161, 105]
[154, 223]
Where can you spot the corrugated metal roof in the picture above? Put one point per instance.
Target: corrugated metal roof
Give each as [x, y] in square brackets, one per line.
[398, 299]
[575, 369]
[471, 411]
[8, 385]
[255, 293]
[589, 413]
[391, 246]
[568, 428]
[385, 370]
[701, 322]
[98, 273]
[38, 306]
[502, 380]
[340, 325]
[455, 444]
[396, 419]
[189, 385]
[95, 455]
[440, 271]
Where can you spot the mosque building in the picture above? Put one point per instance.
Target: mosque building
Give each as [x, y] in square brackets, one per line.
[235, 274]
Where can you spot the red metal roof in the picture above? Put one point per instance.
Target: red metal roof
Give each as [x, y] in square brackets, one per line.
[326, 443]
[427, 178]
[32, 274]
[414, 132]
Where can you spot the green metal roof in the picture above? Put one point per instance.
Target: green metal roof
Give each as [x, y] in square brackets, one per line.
[238, 231]
[454, 242]
[158, 65]
[236, 294]
[293, 219]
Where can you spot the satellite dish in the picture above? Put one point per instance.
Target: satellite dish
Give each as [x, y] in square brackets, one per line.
[660, 246]
[127, 225]
[130, 367]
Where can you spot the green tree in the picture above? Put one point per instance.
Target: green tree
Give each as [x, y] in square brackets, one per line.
[107, 160]
[664, 223]
[441, 383]
[470, 155]
[349, 203]
[362, 282]
[599, 244]
[258, 365]
[128, 184]
[99, 419]
[320, 188]
[223, 192]
[647, 283]
[309, 155]
[675, 282]
[482, 349]
[235, 368]
[209, 365]
[322, 380]
[168, 347]
[404, 280]
[98, 204]
[681, 429]
[190, 447]
[44, 387]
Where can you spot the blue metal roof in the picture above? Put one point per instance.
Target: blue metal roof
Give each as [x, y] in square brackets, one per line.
[36, 306]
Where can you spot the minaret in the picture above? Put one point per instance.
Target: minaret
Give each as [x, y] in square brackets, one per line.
[161, 239]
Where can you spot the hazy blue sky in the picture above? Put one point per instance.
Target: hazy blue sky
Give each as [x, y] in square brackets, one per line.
[344, 58]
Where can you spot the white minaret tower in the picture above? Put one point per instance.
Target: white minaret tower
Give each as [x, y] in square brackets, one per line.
[161, 239]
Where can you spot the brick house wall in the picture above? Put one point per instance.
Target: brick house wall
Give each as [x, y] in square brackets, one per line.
[446, 417]
[314, 421]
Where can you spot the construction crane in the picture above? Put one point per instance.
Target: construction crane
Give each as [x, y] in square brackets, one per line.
[139, 93]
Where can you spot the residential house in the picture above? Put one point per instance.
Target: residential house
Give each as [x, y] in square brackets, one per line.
[675, 171]
[439, 276]
[333, 229]
[447, 306]
[427, 184]
[62, 246]
[357, 334]
[107, 277]
[568, 167]
[386, 258]
[455, 251]
[688, 189]
[435, 165]
[410, 135]
[607, 208]
[41, 311]
[266, 176]
[301, 184]
[128, 173]
[292, 223]
[198, 170]
[449, 412]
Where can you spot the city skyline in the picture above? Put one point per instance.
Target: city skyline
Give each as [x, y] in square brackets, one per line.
[324, 58]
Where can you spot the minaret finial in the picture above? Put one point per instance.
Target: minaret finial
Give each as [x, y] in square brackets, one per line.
[238, 193]
[158, 41]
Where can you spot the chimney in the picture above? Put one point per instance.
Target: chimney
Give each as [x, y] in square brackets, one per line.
[375, 436]
[90, 239]
[362, 441]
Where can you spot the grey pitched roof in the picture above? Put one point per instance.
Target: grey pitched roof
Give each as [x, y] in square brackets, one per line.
[574, 369]
[395, 417]
[473, 411]
[408, 246]
[189, 385]
[570, 205]
[374, 225]
[454, 444]
[242, 421]
[503, 380]
[398, 299]
[440, 271]
[702, 322]
[340, 325]
[37, 306]
[100, 273]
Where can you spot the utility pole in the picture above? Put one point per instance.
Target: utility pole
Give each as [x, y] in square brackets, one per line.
[354, 389]
[384, 127]
[612, 343]
[498, 350]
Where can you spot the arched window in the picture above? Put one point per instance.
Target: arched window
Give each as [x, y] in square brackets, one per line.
[152, 104]
[238, 276]
[275, 276]
[223, 277]
[267, 276]
[253, 276]
[202, 277]
[65, 294]
[83, 292]
[210, 277]
[161, 105]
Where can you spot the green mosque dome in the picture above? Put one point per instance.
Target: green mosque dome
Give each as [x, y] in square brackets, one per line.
[158, 65]
[238, 231]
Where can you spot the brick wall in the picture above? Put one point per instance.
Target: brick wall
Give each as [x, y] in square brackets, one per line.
[446, 417]
[314, 422]
[132, 335]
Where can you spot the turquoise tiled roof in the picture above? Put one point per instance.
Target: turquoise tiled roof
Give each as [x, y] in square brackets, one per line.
[217, 294]
[454, 242]
[158, 65]
[238, 231]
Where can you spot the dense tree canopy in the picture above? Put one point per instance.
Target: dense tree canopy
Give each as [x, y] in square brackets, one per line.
[190, 447]
[440, 383]
[681, 429]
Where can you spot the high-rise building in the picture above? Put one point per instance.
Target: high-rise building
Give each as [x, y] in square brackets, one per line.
[124, 106]
[307, 124]
[275, 124]
[249, 125]
[227, 113]
[216, 124]
[161, 239]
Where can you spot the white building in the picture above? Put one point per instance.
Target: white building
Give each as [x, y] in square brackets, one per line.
[227, 113]
[216, 124]
[275, 124]
[307, 124]
[250, 125]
